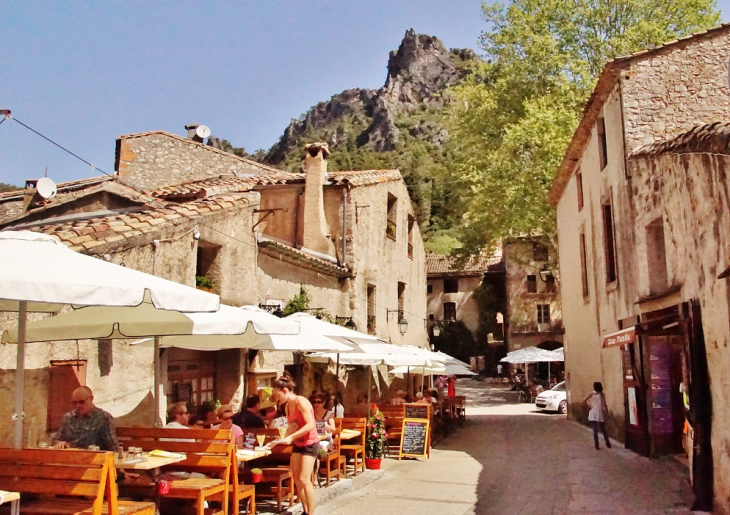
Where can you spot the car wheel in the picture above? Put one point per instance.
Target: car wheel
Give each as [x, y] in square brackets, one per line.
[563, 407]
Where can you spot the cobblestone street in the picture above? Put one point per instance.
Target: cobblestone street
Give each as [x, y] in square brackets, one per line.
[508, 458]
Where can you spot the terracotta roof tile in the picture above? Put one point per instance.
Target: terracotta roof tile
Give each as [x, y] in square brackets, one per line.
[711, 138]
[437, 264]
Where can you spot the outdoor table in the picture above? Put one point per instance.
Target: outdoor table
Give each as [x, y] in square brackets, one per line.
[13, 498]
[147, 462]
[251, 454]
[349, 434]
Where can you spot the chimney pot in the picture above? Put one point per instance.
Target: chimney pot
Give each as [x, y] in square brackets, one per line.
[315, 223]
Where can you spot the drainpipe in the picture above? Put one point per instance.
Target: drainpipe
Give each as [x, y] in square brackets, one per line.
[344, 228]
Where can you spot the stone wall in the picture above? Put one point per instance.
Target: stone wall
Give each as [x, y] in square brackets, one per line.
[151, 160]
[690, 193]
[521, 316]
[467, 309]
[676, 88]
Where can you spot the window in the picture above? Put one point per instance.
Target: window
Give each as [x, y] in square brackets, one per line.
[391, 224]
[602, 145]
[531, 284]
[371, 309]
[65, 377]
[208, 265]
[539, 252]
[609, 244]
[411, 225]
[429, 288]
[583, 265]
[451, 285]
[190, 376]
[430, 316]
[579, 188]
[543, 313]
[401, 299]
[450, 311]
[656, 256]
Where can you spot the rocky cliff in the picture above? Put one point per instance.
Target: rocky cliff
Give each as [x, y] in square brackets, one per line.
[362, 121]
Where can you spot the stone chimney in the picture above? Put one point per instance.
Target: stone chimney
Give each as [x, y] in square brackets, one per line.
[315, 224]
[191, 132]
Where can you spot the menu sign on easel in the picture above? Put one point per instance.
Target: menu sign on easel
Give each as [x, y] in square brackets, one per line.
[415, 435]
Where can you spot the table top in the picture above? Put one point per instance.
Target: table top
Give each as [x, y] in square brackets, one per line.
[346, 434]
[8, 496]
[251, 454]
[148, 462]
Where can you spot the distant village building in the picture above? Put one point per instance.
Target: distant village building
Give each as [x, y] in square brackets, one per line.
[183, 210]
[534, 314]
[451, 293]
[643, 219]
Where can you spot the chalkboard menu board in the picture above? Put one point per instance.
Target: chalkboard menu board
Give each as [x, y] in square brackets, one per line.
[422, 411]
[414, 439]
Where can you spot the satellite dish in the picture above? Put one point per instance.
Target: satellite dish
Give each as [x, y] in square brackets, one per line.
[202, 131]
[46, 188]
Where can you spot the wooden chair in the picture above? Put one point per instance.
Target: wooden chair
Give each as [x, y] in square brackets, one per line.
[330, 465]
[208, 452]
[85, 479]
[355, 450]
[238, 491]
[277, 482]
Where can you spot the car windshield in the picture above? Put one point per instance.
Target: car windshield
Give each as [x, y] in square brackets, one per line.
[560, 387]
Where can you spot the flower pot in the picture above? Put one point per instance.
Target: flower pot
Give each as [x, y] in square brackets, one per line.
[256, 478]
[373, 463]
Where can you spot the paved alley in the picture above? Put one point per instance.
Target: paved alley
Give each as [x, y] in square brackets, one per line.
[508, 458]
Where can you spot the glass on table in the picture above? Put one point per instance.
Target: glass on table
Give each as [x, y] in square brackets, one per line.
[282, 432]
[261, 439]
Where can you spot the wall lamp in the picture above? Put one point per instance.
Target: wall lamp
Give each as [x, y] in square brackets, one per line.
[545, 274]
[402, 322]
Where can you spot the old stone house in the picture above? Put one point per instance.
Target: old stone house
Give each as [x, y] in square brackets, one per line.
[180, 209]
[642, 208]
[451, 291]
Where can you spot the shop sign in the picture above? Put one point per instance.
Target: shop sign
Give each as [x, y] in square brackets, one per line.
[623, 337]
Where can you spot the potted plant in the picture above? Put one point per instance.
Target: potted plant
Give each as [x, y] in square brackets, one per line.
[256, 475]
[375, 441]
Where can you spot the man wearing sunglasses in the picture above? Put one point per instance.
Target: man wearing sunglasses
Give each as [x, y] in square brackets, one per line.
[178, 416]
[86, 424]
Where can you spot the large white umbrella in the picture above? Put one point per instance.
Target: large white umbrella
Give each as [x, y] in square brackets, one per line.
[533, 355]
[447, 369]
[39, 271]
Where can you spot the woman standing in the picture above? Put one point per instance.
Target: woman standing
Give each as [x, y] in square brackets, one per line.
[301, 433]
[597, 415]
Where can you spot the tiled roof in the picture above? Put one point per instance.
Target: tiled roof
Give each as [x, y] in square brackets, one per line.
[246, 182]
[437, 264]
[84, 234]
[262, 167]
[711, 137]
[300, 258]
[606, 81]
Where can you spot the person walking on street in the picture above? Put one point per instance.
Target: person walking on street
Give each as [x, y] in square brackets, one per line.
[597, 415]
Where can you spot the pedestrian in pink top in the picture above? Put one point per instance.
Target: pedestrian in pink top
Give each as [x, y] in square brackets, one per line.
[302, 434]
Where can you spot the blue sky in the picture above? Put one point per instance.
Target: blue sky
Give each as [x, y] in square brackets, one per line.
[84, 72]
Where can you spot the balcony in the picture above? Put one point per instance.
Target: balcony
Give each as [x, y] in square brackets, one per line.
[547, 327]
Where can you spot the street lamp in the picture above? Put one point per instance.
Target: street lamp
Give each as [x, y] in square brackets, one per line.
[436, 330]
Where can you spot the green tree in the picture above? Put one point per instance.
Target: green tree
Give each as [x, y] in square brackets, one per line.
[513, 118]
[7, 187]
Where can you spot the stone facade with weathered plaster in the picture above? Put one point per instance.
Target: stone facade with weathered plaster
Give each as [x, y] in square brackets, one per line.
[645, 98]
[522, 328]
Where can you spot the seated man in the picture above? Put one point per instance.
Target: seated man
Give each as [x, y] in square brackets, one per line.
[86, 424]
[399, 399]
[178, 416]
[250, 417]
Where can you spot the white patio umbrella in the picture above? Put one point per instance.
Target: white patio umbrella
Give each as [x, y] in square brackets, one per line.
[38, 271]
[446, 369]
[532, 355]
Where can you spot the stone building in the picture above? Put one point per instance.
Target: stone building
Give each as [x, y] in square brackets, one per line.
[451, 293]
[534, 315]
[180, 209]
[642, 220]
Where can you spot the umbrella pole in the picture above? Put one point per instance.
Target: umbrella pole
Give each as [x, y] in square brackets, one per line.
[20, 375]
[337, 373]
[408, 381]
[548, 373]
[370, 387]
[157, 382]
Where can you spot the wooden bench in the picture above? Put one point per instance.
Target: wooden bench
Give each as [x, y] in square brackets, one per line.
[85, 479]
[393, 411]
[209, 452]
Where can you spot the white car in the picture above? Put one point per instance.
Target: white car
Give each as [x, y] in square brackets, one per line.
[554, 399]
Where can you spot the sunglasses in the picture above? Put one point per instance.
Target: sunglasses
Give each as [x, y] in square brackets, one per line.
[317, 402]
[82, 401]
[226, 419]
[183, 413]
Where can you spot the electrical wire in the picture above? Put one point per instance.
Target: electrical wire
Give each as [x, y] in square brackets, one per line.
[94, 167]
